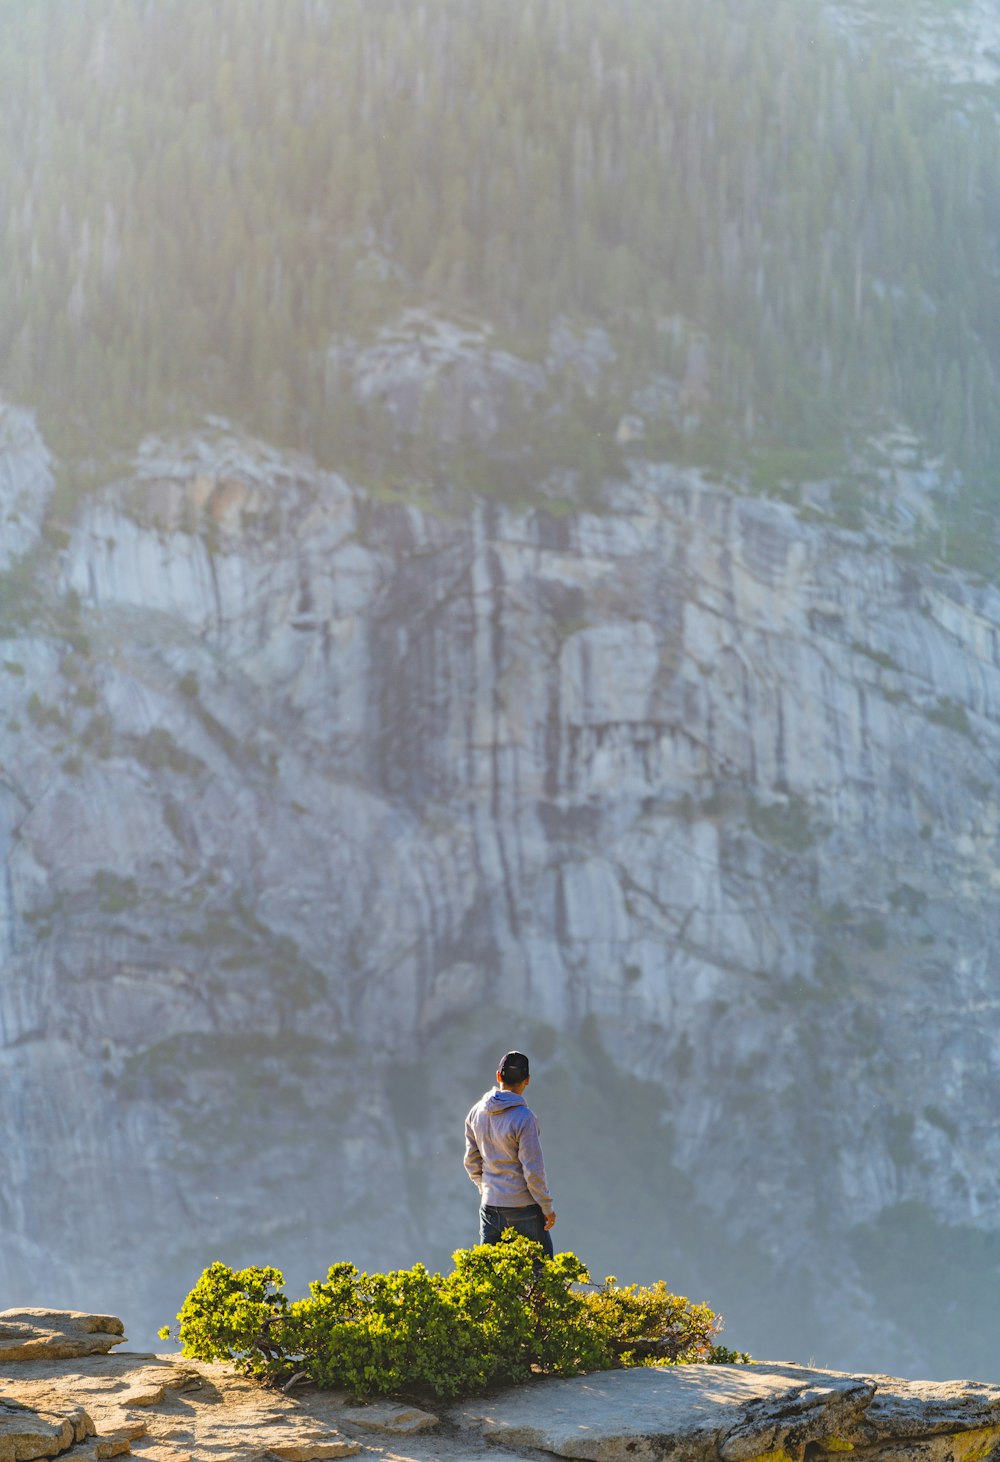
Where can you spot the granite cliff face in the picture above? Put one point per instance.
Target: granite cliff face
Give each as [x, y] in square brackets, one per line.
[959, 44]
[312, 804]
[26, 484]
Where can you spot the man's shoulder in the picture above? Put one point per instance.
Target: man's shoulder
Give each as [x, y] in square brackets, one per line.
[478, 1106]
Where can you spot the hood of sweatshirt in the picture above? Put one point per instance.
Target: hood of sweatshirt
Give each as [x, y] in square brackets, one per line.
[499, 1101]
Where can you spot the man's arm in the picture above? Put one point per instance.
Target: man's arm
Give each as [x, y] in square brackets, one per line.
[473, 1157]
[529, 1152]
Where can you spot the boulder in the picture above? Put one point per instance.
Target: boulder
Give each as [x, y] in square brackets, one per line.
[36, 1334]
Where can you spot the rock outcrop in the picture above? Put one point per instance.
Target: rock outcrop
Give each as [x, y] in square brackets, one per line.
[960, 46]
[165, 1410]
[425, 373]
[28, 1432]
[760, 1413]
[56, 1334]
[312, 803]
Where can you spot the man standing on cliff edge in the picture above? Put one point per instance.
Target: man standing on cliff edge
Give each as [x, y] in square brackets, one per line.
[503, 1157]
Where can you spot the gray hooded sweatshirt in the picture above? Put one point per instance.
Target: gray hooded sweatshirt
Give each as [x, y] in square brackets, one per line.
[503, 1154]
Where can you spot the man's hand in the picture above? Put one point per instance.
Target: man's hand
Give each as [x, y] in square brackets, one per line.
[550, 1219]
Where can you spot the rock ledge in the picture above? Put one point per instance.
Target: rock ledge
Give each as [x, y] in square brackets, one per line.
[89, 1404]
[56, 1334]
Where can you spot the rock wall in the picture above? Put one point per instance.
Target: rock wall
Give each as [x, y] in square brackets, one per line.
[311, 804]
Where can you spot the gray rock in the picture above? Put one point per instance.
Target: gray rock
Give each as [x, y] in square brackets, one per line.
[427, 373]
[584, 355]
[691, 1411]
[959, 46]
[334, 776]
[758, 1413]
[26, 483]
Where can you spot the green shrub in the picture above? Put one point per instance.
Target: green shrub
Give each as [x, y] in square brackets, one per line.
[643, 1324]
[382, 1332]
[502, 1313]
[230, 1313]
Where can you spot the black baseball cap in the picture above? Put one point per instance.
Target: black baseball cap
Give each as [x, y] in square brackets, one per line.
[514, 1068]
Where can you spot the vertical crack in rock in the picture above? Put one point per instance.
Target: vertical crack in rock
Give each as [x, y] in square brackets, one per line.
[536, 752]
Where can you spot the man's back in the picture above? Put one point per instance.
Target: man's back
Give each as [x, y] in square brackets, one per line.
[503, 1157]
[504, 1133]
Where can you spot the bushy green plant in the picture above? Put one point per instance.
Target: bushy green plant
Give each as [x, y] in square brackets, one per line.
[647, 1324]
[525, 1312]
[380, 1332]
[502, 1313]
[234, 1315]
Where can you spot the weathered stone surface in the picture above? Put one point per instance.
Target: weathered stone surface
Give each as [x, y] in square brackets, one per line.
[391, 1417]
[763, 1413]
[26, 1434]
[744, 1414]
[118, 1431]
[33, 1334]
[647, 1413]
[307, 1450]
[142, 1395]
[113, 1446]
[204, 1411]
[906, 1408]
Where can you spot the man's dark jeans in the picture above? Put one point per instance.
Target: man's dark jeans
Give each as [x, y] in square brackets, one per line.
[529, 1221]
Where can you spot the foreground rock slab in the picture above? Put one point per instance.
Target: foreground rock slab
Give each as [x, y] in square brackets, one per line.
[90, 1406]
[763, 1413]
